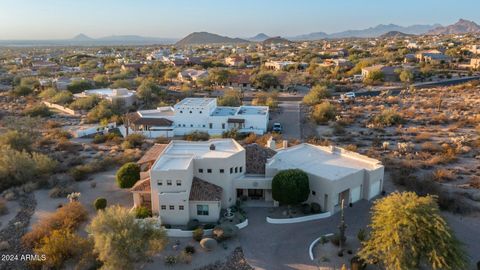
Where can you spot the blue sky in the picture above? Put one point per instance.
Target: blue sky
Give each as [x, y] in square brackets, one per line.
[50, 19]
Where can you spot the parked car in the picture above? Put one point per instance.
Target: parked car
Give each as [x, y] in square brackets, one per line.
[277, 127]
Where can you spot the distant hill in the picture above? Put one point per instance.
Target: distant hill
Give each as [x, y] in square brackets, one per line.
[82, 37]
[259, 37]
[199, 38]
[370, 32]
[460, 27]
[276, 40]
[395, 34]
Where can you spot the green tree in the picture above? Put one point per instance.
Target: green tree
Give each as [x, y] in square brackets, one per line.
[290, 187]
[146, 90]
[22, 90]
[80, 86]
[316, 95]
[406, 76]
[373, 77]
[231, 98]
[408, 231]
[120, 240]
[62, 97]
[218, 76]
[323, 112]
[265, 80]
[128, 175]
[102, 110]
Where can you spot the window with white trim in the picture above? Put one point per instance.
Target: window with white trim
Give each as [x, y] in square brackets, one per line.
[202, 210]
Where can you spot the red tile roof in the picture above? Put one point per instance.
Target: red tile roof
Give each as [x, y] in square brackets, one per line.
[204, 191]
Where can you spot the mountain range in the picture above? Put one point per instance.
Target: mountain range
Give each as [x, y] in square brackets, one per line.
[370, 32]
[460, 27]
[197, 38]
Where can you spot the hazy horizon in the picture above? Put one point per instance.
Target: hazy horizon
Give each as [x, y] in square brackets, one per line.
[64, 19]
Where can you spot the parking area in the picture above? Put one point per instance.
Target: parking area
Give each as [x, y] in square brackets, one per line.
[288, 115]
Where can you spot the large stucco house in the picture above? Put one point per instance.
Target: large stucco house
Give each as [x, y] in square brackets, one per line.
[196, 114]
[195, 180]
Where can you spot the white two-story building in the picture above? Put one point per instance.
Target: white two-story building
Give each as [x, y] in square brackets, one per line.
[195, 180]
[196, 114]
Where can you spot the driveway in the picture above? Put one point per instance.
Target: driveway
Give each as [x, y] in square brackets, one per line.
[288, 115]
[271, 247]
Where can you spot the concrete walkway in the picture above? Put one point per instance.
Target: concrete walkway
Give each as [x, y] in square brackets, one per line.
[271, 247]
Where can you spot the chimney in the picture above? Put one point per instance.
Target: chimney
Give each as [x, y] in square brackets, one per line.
[284, 144]
[212, 147]
[271, 143]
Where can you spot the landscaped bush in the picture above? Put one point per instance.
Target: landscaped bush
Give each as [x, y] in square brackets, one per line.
[170, 260]
[306, 209]
[316, 208]
[290, 187]
[142, 212]
[70, 216]
[128, 175]
[185, 257]
[198, 234]
[224, 232]
[197, 136]
[193, 224]
[60, 192]
[208, 244]
[336, 239]
[362, 235]
[100, 203]
[190, 249]
[208, 226]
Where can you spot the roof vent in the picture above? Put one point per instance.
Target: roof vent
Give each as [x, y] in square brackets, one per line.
[212, 147]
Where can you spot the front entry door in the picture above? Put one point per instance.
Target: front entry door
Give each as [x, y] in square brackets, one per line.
[255, 194]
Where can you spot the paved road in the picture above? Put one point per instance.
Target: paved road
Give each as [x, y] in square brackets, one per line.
[289, 116]
[277, 247]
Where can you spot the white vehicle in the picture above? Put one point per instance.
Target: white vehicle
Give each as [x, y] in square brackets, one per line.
[348, 95]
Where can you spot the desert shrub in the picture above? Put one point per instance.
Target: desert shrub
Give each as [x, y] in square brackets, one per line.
[316, 95]
[193, 224]
[100, 203]
[324, 112]
[431, 147]
[69, 217]
[38, 110]
[198, 234]
[316, 208]
[3, 207]
[442, 175]
[128, 175]
[208, 244]
[190, 249]
[135, 140]
[22, 90]
[60, 192]
[59, 246]
[351, 147]
[142, 212]
[17, 140]
[224, 232]
[387, 118]
[197, 136]
[474, 182]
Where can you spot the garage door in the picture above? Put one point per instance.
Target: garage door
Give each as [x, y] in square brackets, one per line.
[374, 189]
[356, 194]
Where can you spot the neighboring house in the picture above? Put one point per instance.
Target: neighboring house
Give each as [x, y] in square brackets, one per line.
[235, 61]
[196, 114]
[338, 62]
[435, 57]
[121, 97]
[196, 180]
[475, 49]
[282, 65]
[475, 63]
[388, 72]
[241, 81]
[51, 66]
[191, 74]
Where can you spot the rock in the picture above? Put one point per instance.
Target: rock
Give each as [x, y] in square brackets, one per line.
[4, 245]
